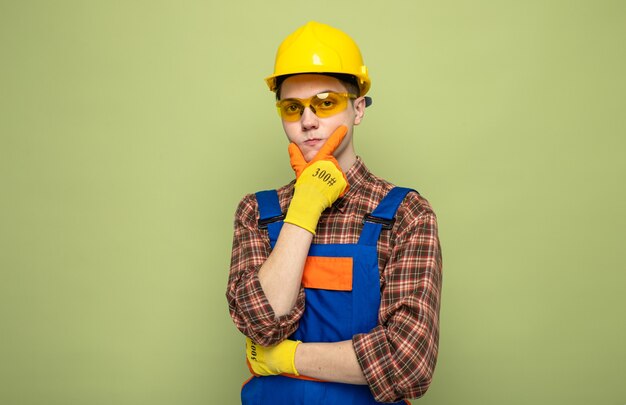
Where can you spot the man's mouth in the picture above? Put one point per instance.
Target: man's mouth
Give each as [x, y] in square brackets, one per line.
[312, 142]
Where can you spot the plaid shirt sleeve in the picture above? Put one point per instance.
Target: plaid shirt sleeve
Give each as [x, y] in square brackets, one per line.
[398, 356]
[248, 305]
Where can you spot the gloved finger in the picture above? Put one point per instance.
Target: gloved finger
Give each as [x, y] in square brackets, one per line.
[332, 143]
[296, 158]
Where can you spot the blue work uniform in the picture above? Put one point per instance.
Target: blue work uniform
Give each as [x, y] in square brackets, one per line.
[342, 290]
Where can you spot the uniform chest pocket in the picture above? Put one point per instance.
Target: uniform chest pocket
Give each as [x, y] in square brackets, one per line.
[328, 273]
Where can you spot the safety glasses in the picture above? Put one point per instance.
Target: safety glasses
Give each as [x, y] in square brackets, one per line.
[323, 105]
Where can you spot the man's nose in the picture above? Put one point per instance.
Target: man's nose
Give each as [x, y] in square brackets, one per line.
[309, 120]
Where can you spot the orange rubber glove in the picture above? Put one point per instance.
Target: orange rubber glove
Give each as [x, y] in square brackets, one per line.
[319, 182]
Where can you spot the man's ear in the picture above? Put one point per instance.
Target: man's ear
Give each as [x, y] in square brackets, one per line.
[359, 109]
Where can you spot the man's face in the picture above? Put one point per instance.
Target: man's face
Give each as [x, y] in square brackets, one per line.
[310, 132]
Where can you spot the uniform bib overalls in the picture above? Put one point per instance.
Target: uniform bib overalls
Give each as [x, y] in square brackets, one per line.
[342, 287]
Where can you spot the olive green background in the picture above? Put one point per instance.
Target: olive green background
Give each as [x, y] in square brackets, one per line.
[129, 130]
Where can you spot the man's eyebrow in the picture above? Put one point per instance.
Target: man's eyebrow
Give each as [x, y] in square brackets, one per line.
[320, 92]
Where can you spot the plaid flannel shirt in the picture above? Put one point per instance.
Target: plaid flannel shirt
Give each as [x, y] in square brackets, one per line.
[398, 356]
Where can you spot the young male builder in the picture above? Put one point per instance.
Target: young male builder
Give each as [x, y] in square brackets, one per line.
[335, 277]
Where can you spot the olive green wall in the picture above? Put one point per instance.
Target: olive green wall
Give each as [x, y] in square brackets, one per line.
[129, 130]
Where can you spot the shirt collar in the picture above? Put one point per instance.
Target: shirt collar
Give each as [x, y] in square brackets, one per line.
[357, 175]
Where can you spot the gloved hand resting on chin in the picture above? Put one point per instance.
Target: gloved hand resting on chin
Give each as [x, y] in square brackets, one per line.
[318, 183]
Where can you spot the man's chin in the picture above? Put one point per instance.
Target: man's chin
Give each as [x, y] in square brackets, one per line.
[309, 155]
